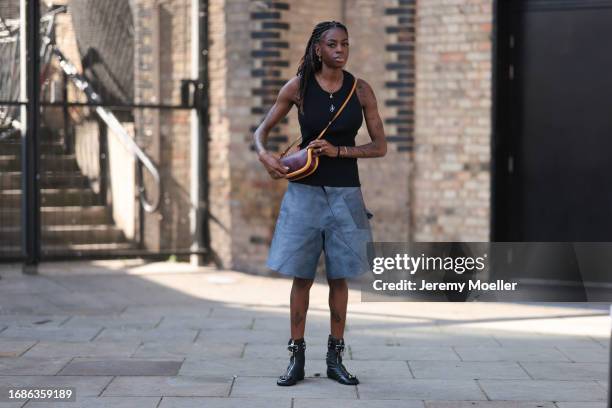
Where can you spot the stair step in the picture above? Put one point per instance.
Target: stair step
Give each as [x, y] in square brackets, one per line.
[51, 197]
[12, 180]
[66, 162]
[72, 249]
[95, 214]
[88, 249]
[10, 251]
[14, 148]
[68, 234]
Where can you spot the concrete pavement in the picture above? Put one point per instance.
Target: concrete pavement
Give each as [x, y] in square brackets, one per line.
[132, 334]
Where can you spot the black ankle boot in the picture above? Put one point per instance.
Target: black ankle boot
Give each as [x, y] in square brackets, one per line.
[335, 368]
[295, 370]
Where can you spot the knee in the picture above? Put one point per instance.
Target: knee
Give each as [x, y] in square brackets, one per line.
[337, 284]
[302, 284]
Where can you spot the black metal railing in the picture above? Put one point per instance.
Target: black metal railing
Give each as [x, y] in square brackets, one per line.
[61, 133]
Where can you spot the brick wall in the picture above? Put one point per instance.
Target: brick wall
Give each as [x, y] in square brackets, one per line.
[452, 137]
[162, 59]
[225, 60]
[429, 65]
[254, 50]
[375, 30]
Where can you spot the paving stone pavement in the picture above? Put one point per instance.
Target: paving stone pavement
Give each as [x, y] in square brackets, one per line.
[170, 335]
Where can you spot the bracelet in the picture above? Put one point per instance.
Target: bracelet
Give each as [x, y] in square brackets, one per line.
[338, 154]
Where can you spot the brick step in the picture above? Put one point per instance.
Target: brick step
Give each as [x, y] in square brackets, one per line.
[14, 148]
[11, 180]
[65, 162]
[68, 234]
[95, 214]
[51, 197]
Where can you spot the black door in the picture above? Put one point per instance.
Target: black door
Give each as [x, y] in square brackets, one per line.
[553, 133]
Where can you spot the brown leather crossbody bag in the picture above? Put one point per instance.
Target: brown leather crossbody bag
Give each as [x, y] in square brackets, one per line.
[303, 162]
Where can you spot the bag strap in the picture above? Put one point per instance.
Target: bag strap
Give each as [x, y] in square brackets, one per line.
[330, 122]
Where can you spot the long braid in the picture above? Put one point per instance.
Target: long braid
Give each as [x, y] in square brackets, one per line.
[309, 64]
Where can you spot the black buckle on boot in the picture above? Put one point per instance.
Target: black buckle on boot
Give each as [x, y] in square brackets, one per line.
[333, 342]
[294, 347]
[340, 348]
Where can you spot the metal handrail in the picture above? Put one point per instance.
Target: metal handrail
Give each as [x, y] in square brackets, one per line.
[81, 83]
[48, 44]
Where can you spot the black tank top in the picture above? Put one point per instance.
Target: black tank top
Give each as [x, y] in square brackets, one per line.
[341, 172]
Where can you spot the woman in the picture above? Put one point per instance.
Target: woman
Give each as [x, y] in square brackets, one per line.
[325, 210]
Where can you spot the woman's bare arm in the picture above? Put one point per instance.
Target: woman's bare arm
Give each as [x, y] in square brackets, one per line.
[378, 146]
[284, 101]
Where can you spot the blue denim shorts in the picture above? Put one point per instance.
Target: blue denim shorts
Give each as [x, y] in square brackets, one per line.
[321, 218]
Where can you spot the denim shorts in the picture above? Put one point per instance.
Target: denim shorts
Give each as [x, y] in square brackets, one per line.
[321, 218]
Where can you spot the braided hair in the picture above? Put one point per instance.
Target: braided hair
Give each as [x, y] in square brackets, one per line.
[309, 64]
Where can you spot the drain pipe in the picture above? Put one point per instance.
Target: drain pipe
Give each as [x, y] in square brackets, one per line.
[199, 133]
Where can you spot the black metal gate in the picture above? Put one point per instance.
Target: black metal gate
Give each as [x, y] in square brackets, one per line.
[102, 149]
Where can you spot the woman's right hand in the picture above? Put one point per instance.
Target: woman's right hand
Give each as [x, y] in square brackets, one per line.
[273, 165]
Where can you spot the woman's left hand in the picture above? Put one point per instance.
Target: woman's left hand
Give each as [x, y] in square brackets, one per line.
[322, 147]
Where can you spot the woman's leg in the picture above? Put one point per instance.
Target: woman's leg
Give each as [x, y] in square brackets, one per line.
[300, 292]
[338, 299]
[300, 295]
